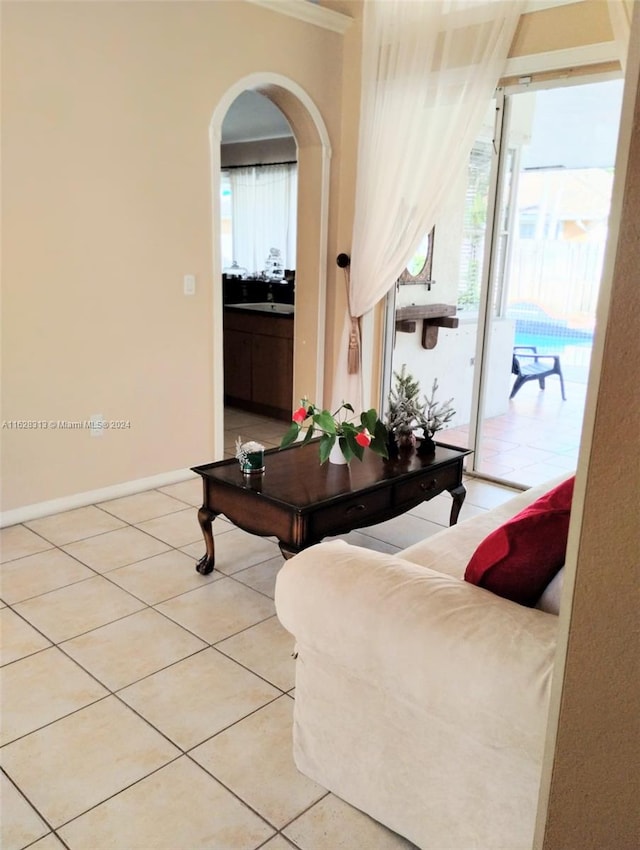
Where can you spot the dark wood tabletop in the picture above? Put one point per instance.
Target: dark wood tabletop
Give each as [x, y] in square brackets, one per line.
[300, 501]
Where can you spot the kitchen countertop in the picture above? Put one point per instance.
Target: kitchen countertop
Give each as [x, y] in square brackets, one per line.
[268, 307]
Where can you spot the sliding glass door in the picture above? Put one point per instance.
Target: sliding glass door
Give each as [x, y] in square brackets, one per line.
[536, 208]
[518, 250]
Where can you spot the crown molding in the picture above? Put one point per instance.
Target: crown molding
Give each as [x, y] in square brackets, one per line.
[311, 13]
[541, 5]
[590, 54]
[308, 12]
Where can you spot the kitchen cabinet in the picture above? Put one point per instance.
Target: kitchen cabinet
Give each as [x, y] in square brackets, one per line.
[258, 362]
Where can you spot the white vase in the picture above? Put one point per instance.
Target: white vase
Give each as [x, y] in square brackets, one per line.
[336, 456]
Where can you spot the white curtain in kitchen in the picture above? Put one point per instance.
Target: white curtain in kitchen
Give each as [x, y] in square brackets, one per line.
[264, 209]
[429, 71]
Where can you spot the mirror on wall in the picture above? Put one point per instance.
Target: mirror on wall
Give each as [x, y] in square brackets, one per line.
[418, 269]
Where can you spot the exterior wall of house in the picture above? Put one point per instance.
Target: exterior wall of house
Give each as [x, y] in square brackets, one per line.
[106, 206]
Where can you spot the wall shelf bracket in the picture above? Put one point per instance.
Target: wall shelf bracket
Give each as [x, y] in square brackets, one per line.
[433, 317]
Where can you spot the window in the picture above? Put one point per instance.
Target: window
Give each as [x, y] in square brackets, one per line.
[258, 212]
[474, 227]
[226, 233]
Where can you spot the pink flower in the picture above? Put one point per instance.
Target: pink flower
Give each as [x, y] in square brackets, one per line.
[363, 438]
[300, 415]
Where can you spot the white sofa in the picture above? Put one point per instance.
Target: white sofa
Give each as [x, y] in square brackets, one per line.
[421, 699]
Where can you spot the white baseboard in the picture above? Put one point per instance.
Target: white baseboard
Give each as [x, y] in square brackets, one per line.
[81, 500]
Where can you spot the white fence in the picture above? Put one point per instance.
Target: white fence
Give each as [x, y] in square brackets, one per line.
[563, 276]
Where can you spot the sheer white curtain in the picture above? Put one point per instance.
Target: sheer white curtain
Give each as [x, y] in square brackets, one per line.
[429, 71]
[264, 208]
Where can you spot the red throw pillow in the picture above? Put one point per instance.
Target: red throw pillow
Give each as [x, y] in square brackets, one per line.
[519, 559]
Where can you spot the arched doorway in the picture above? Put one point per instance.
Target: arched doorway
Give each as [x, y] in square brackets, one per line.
[314, 154]
[259, 203]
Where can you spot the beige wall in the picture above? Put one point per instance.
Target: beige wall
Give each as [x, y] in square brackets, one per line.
[340, 241]
[106, 205]
[571, 25]
[590, 787]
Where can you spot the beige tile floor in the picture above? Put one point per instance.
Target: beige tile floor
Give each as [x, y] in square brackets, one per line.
[145, 706]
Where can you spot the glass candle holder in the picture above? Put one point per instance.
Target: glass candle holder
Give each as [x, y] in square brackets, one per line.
[251, 457]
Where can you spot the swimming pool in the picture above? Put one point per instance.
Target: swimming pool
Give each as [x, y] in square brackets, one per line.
[575, 354]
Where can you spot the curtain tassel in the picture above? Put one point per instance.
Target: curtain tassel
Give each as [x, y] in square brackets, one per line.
[353, 361]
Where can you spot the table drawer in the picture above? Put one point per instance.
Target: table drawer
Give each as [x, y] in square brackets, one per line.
[425, 487]
[348, 514]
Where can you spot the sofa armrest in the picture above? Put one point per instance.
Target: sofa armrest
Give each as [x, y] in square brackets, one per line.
[466, 656]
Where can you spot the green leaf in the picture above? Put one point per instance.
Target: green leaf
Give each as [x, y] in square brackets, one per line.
[347, 406]
[324, 420]
[380, 432]
[379, 443]
[290, 436]
[369, 419]
[379, 448]
[351, 448]
[326, 444]
[309, 434]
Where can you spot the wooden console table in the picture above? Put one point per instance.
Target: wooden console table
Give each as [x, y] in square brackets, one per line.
[299, 501]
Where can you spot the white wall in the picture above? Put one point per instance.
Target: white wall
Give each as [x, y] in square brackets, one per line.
[452, 363]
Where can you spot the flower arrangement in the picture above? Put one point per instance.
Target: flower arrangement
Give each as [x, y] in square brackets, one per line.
[338, 427]
[435, 415]
[407, 414]
[404, 409]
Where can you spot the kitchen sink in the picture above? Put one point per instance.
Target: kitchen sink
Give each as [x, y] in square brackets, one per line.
[266, 307]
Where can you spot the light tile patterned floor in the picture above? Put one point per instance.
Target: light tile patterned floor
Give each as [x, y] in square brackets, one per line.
[538, 438]
[145, 706]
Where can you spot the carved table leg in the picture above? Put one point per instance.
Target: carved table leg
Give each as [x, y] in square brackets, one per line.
[287, 551]
[458, 495]
[205, 564]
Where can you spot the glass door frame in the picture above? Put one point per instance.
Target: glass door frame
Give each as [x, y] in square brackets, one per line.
[489, 278]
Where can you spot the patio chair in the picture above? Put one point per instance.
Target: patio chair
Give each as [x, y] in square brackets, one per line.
[534, 367]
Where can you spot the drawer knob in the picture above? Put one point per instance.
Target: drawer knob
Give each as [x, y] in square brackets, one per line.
[354, 509]
[428, 485]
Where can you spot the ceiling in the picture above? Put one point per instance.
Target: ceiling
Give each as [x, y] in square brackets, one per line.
[252, 117]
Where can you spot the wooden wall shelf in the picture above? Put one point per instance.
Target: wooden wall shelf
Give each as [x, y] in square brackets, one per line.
[432, 316]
